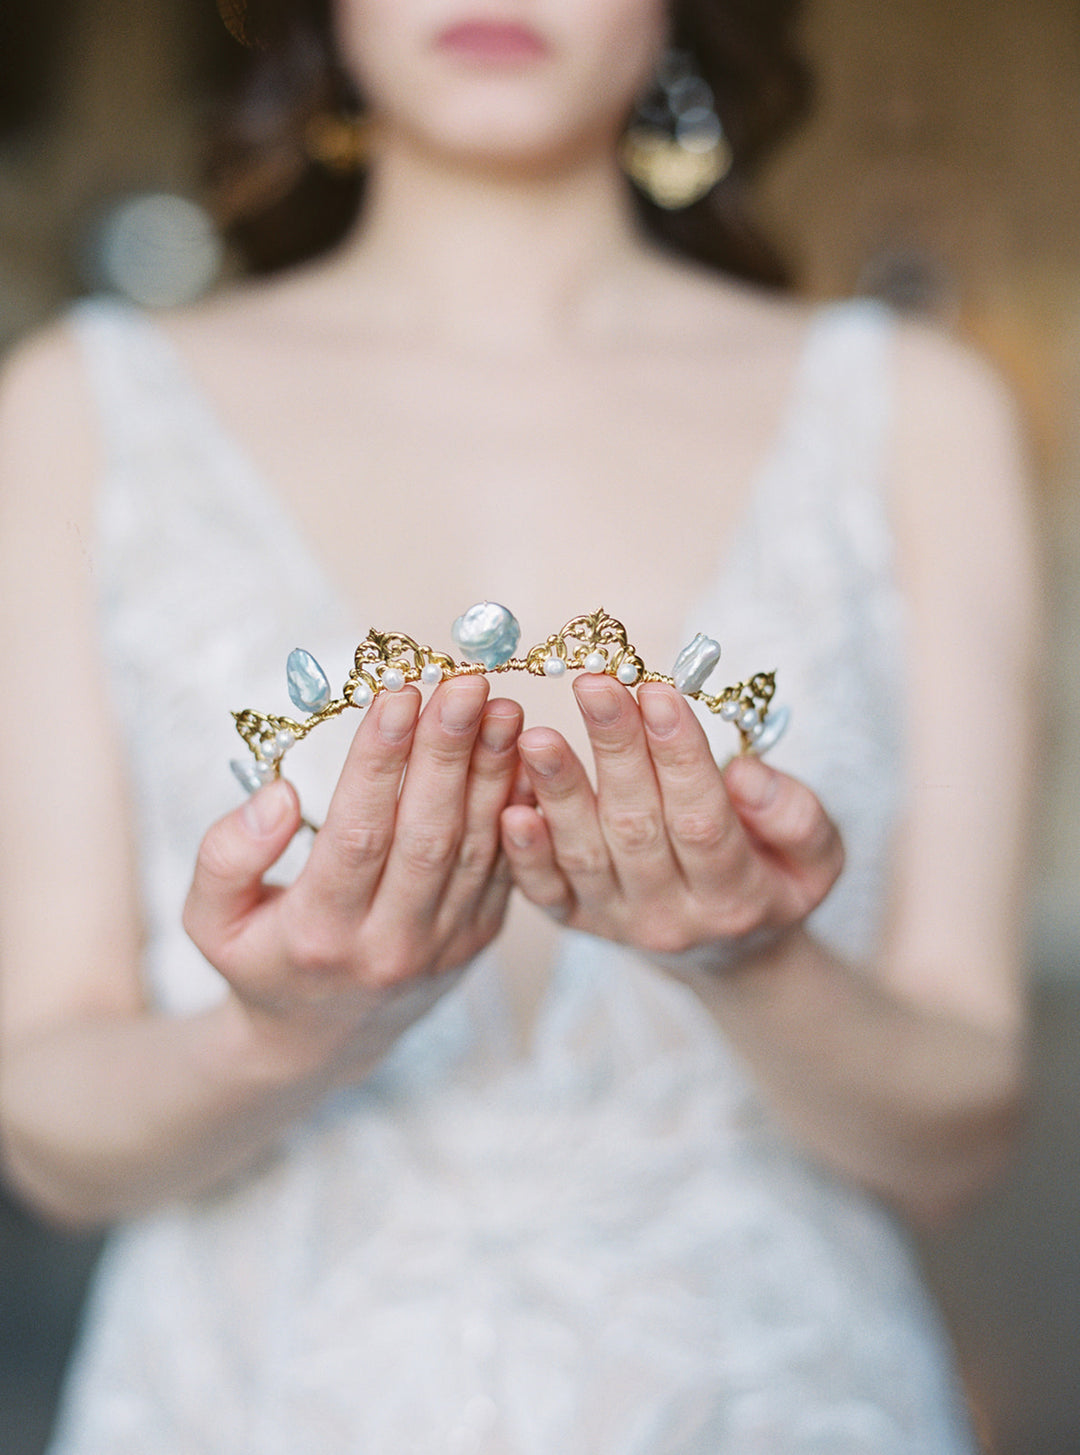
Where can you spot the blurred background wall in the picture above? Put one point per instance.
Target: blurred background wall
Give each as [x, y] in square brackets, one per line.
[940, 171]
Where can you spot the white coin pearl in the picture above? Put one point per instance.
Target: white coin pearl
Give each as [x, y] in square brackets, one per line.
[362, 695]
[595, 662]
[627, 674]
[392, 678]
[694, 664]
[431, 675]
[554, 667]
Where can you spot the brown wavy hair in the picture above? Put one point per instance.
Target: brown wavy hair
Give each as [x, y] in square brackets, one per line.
[279, 207]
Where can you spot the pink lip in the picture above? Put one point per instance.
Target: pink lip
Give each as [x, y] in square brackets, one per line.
[492, 40]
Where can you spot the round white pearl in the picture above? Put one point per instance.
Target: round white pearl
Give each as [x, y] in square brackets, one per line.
[595, 662]
[749, 720]
[283, 741]
[730, 710]
[392, 678]
[264, 772]
[554, 667]
[431, 674]
[627, 674]
[362, 695]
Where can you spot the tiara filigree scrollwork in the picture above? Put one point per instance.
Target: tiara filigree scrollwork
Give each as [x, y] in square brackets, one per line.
[487, 636]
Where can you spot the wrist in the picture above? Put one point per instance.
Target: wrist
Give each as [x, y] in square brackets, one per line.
[719, 959]
[267, 1051]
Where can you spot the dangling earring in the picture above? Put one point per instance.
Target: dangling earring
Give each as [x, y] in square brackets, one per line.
[341, 141]
[675, 149]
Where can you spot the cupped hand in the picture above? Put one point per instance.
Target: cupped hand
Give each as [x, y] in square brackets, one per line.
[404, 884]
[668, 853]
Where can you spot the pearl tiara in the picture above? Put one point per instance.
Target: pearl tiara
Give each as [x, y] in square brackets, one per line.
[487, 635]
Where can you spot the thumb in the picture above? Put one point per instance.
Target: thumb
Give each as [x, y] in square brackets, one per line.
[785, 816]
[235, 854]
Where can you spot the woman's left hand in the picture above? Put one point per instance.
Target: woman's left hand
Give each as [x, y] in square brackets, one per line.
[668, 854]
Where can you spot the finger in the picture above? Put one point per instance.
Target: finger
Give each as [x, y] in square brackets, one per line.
[531, 857]
[707, 838]
[235, 854]
[565, 797]
[786, 817]
[431, 811]
[350, 851]
[628, 796]
[482, 924]
[492, 773]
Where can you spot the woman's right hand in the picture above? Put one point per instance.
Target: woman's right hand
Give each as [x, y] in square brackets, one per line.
[405, 882]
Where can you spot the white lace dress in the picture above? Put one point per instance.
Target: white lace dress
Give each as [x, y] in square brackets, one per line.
[605, 1247]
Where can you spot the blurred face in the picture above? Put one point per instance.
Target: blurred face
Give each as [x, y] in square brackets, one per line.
[511, 82]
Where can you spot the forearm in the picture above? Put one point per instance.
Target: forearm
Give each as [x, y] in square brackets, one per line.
[918, 1107]
[107, 1117]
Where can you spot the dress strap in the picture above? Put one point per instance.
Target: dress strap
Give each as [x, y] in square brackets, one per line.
[140, 391]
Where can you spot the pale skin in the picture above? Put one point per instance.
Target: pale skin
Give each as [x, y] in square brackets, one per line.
[530, 337]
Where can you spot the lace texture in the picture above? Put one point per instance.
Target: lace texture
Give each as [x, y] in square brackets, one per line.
[605, 1248]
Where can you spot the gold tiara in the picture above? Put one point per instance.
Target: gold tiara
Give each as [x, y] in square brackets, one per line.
[487, 635]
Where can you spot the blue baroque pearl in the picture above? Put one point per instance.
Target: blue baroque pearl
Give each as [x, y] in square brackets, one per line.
[486, 633]
[309, 686]
[772, 729]
[694, 664]
[250, 773]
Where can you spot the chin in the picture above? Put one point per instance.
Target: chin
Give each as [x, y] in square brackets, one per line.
[507, 134]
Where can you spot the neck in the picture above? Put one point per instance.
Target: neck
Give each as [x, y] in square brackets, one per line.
[495, 259]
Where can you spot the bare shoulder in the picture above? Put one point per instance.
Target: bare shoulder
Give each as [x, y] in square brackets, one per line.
[963, 495]
[47, 430]
[948, 392]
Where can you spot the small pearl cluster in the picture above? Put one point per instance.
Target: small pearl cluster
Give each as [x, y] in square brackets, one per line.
[254, 772]
[763, 732]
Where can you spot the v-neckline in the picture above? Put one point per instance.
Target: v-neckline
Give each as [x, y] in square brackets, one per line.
[294, 542]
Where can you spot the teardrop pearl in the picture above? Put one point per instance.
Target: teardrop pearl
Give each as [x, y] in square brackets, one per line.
[772, 729]
[251, 773]
[309, 686]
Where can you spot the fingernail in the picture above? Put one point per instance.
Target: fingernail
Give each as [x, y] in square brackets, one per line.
[660, 711]
[753, 782]
[542, 760]
[497, 732]
[601, 704]
[397, 715]
[460, 708]
[519, 835]
[265, 810]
